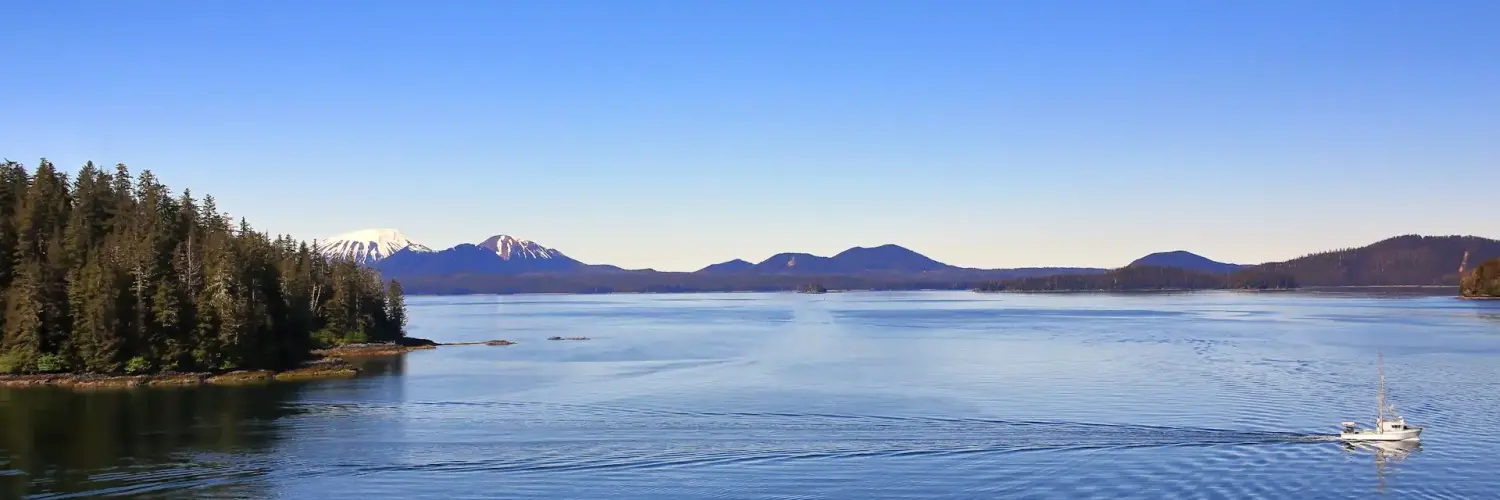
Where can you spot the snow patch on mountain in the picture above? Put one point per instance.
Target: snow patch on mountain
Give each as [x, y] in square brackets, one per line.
[509, 247]
[367, 246]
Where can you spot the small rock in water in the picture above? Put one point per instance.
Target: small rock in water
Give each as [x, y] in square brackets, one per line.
[567, 338]
[415, 342]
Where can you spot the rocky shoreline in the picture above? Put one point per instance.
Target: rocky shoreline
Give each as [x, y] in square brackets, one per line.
[327, 363]
[317, 369]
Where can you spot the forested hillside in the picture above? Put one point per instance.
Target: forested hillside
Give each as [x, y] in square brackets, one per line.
[111, 273]
[1402, 260]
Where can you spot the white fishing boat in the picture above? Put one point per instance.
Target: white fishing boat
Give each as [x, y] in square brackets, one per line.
[1392, 429]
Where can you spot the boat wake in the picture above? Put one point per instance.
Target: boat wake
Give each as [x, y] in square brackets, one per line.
[572, 438]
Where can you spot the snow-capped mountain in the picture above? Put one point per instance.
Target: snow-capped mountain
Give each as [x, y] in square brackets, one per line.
[509, 247]
[367, 246]
[500, 254]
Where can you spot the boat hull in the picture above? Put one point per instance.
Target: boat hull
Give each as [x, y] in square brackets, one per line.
[1401, 435]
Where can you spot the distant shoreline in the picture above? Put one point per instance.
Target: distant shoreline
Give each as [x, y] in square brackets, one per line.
[1304, 289]
[1455, 287]
[1147, 291]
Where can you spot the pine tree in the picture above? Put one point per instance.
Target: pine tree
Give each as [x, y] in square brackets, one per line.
[395, 310]
[97, 326]
[14, 182]
[57, 207]
[180, 299]
[92, 344]
[36, 306]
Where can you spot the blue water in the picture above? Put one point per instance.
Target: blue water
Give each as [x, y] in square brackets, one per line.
[843, 395]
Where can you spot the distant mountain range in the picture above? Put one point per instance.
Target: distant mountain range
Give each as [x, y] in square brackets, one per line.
[506, 264]
[857, 260]
[396, 256]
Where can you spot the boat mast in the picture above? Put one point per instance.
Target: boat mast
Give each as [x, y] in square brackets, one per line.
[1380, 368]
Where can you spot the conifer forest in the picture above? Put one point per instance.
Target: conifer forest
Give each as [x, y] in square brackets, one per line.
[106, 272]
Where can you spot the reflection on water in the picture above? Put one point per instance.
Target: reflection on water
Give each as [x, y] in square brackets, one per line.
[1384, 450]
[856, 395]
[1385, 453]
[63, 440]
[380, 366]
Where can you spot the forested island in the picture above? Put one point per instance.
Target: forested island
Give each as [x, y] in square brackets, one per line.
[109, 273]
[1483, 282]
[1144, 278]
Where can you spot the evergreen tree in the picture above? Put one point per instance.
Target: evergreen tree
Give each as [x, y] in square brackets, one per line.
[91, 293]
[36, 315]
[395, 310]
[14, 182]
[96, 323]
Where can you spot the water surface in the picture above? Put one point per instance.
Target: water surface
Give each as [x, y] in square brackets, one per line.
[845, 395]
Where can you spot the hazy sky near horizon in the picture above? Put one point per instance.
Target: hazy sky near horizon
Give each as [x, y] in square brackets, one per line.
[673, 135]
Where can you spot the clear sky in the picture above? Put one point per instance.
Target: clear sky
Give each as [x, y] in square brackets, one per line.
[672, 135]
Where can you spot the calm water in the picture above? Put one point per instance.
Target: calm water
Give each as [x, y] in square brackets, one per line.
[858, 395]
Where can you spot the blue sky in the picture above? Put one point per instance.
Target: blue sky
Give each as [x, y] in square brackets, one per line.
[673, 135]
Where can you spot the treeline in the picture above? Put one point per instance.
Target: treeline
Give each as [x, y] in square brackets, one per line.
[110, 273]
[1143, 278]
[664, 282]
[1484, 281]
